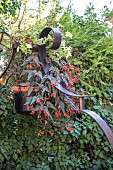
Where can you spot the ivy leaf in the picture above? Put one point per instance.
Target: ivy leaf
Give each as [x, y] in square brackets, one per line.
[98, 107]
[65, 132]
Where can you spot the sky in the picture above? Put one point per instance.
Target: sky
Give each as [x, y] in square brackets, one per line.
[80, 5]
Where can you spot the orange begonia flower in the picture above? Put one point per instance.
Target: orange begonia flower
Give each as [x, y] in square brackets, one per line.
[1, 82]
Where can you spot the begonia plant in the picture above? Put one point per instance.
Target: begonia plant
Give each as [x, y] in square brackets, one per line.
[45, 101]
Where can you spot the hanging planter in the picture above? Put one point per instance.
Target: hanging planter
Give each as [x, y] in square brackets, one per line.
[20, 99]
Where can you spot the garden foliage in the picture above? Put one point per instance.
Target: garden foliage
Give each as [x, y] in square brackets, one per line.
[21, 146]
[28, 144]
[92, 51]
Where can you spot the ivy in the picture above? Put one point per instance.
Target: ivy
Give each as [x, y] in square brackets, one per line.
[84, 147]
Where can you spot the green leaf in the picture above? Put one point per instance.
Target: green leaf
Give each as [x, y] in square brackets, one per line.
[31, 73]
[33, 100]
[28, 101]
[25, 84]
[37, 107]
[40, 74]
[30, 91]
[27, 61]
[62, 105]
[47, 111]
[97, 107]
[45, 89]
[50, 105]
[65, 132]
[56, 100]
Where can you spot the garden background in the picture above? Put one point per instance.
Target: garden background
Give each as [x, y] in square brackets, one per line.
[87, 43]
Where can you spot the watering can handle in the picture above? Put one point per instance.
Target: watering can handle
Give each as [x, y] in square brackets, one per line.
[14, 50]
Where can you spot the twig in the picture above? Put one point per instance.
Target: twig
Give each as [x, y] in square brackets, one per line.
[22, 17]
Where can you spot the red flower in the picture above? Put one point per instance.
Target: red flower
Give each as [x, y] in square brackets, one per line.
[59, 107]
[31, 107]
[64, 68]
[53, 95]
[53, 83]
[38, 65]
[40, 111]
[71, 66]
[77, 70]
[56, 74]
[72, 80]
[51, 133]
[69, 73]
[32, 113]
[69, 85]
[41, 133]
[1, 82]
[71, 110]
[60, 29]
[29, 67]
[58, 114]
[39, 102]
[45, 113]
[66, 115]
[34, 60]
[69, 127]
[76, 80]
